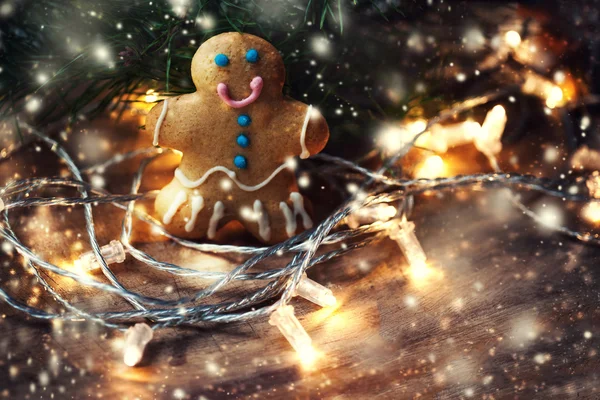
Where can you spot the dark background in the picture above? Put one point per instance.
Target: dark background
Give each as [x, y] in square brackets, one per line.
[514, 309]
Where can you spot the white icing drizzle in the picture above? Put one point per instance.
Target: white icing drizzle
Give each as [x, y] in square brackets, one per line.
[197, 205]
[298, 202]
[218, 213]
[305, 153]
[264, 229]
[290, 219]
[185, 181]
[188, 183]
[161, 118]
[179, 199]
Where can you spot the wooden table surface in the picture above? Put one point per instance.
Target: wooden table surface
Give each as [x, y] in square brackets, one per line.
[511, 311]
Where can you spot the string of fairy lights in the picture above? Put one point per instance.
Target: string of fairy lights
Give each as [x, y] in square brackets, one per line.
[378, 208]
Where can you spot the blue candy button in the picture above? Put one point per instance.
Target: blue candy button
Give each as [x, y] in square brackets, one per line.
[221, 60]
[243, 141]
[240, 162]
[252, 56]
[244, 120]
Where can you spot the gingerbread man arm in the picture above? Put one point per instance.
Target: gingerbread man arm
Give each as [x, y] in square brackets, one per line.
[316, 134]
[160, 122]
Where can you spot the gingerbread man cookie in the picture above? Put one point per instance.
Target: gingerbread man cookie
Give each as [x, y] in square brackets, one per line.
[238, 134]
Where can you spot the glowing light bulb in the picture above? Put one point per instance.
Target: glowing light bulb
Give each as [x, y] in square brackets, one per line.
[151, 96]
[433, 167]
[404, 234]
[539, 86]
[593, 184]
[417, 126]
[591, 212]
[136, 339]
[369, 215]
[586, 158]
[420, 271]
[315, 292]
[489, 139]
[555, 97]
[114, 252]
[289, 326]
[443, 137]
[393, 138]
[512, 39]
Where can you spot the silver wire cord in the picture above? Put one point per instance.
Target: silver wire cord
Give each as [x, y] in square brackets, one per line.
[277, 285]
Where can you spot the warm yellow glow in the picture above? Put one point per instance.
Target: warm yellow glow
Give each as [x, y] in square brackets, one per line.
[136, 339]
[308, 356]
[421, 274]
[338, 322]
[315, 292]
[143, 103]
[496, 115]
[442, 137]
[546, 89]
[385, 212]
[419, 271]
[329, 301]
[72, 266]
[78, 267]
[417, 126]
[593, 184]
[591, 212]
[433, 167]
[393, 138]
[326, 314]
[151, 96]
[142, 375]
[555, 97]
[132, 356]
[390, 139]
[490, 135]
[512, 39]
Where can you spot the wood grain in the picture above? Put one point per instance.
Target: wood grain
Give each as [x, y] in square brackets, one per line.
[505, 316]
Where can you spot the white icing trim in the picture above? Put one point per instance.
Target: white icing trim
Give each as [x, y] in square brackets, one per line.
[264, 230]
[197, 205]
[218, 212]
[161, 118]
[185, 181]
[179, 199]
[298, 202]
[305, 153]
[290, 219]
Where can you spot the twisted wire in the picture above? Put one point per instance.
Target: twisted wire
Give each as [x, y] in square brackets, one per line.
[276, 285]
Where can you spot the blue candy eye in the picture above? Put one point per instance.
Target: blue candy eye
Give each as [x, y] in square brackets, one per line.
[221, 60]
[252, 56]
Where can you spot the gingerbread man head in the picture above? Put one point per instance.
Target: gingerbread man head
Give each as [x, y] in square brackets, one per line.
[237, 133]
[238, 66]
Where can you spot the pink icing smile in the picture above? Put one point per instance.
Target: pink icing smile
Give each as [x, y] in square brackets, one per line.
[256, 85]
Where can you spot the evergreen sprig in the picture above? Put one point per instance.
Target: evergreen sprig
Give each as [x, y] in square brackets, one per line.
[88, 57]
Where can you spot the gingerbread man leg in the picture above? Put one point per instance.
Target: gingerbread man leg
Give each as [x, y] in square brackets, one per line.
[274, 221]
[191, 213]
